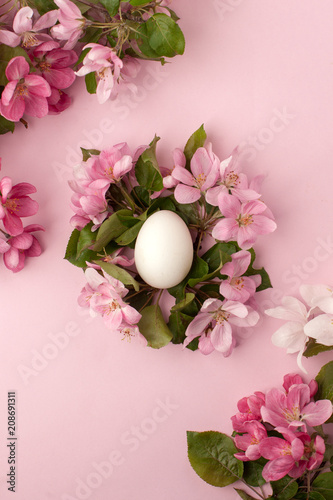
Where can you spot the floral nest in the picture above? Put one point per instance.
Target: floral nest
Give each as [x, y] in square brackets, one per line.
[117, 193]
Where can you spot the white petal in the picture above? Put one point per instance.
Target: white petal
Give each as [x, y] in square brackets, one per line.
[291, 336]
[321, 329]
[312, 293]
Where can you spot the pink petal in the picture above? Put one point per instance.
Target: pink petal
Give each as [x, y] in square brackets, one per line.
[246, 237]
[221, 337]
[22, 241]
[17, 68]
[278, 468]
[26, 207]
[35, 249]
[9, 38]
[131, 315]
[186, 194]
[13, 224]
[205, 345]
[317, 413]
[59, 78]
[22, 20]
[68, 8]
[36, 106]
[46, 21]
[122, 166]
[225, 230]
[14, 260]
[38, 86]
[273, 447]
[8, 92]
[263, 225]
[229, 205]
[14, 110]
[183, 175]
[5, 187]
[22, 189]
[4, 246]
[197, 326]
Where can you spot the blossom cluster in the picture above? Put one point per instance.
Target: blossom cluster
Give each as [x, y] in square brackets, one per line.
[44, 47]
[309, 324]
[115, 190]
[291, 413]
[16, 241]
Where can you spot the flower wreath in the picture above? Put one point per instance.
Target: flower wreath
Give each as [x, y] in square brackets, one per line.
[115, 195]
[43, 49]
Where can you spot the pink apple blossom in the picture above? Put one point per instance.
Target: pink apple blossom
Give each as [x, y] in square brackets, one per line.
[88, 205]
[104, 295]
[54, 63]
[203, 175]
[231, 181]
[294, 409]
[111, 165]
[21, 246]
[25, 93]
[14, 204]
[71, 23]
[179, 160]
[118, 259]
[293, 379]
[132, 332]
[284, 456]
[27, 33]
[236, 286]
[249, 410]
[213, 325]
[106, 65]
[242, 221]
[254, 433]
[58, 101]
[320, 328]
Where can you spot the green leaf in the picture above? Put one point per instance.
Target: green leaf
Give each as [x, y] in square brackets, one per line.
[139, 300]
[129, 235]
[217, 253]
[211, 455]
[183, 303]
[141, 196]
[138, 2]
[86, 239]
[194, 345]
[244, 495]
[323, 484]
[165, 36]
[6, 126]
[154, 328]
[92, 35]
[6, 54]
[110, 229]
[197, 140]
[72, 254]
[198, 271]
[284, 489]
[313, 348]
[313, 495]
[87, 153]
[147, 171]
[325, 385]
[142, 40]
[265, 281]
[44, 6]
[118, 273]
[178, 322]
[253, 472]
[162, 204]
[91, 82]
[112, 6]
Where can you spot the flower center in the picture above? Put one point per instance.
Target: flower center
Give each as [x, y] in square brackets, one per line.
[200, 180]
[109, 172]
[221, 317]
[44, 66]
[231, 180]
[291, 415]
[101, 73]
[111, 307]
[127, 334]
[244, 220]
[21, 91]
[11, 205]
[29, 39]
[237, 283]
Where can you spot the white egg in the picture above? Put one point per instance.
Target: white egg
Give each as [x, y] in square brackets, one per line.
[164, 250]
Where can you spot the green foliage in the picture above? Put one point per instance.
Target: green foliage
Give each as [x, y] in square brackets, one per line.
[284, 489]
[147, 171]
[91, 83]
[197, 140]
[253, 472]
[75, 257]
[44, 6]
[112, 6]
[323, 484]
[165, 36]
[244, 495]
[211, 455]
[110, 230]
[325, 385]
[87, 153]
[313, 348]
[312, 495]
[154, 328]
[6, 126]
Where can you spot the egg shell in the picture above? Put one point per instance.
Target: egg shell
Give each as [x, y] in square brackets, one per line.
[164, 250]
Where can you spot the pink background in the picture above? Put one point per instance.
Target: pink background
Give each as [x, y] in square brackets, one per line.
[258, 73]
